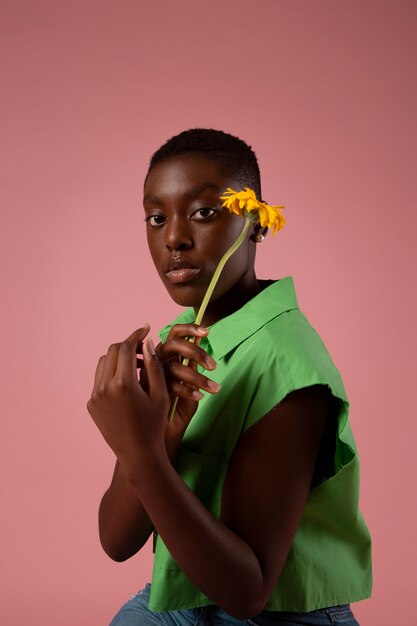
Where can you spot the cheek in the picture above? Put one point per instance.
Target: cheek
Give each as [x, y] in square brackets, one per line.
[216, 241]
[154, 250]
[236, 267]
[240, 260]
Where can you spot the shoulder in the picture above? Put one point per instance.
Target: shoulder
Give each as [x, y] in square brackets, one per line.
[284, 355]
[291, 334]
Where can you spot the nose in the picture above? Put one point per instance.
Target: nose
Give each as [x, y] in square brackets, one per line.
[178, 235]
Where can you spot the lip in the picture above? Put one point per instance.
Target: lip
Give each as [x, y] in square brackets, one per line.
[182, 275]
[181, 271]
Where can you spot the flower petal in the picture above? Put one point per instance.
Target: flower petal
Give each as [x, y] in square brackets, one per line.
[245, 203]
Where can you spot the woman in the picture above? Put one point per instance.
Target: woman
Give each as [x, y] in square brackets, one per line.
[253, 486]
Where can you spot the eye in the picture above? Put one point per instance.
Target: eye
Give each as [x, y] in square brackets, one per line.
[155, 220]
[203, 213]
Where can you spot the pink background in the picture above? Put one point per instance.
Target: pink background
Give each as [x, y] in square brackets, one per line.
[325, 92]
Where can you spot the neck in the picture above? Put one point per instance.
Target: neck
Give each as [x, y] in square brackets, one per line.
[231, 301]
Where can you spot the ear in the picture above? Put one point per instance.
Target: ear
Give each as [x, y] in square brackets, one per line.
[259, 233]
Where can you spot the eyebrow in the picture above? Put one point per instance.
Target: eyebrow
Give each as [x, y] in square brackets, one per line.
[190, 194]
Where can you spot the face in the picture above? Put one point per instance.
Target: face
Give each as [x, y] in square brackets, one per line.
[188, 231]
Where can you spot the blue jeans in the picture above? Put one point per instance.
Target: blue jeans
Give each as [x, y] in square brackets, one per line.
[136, 613]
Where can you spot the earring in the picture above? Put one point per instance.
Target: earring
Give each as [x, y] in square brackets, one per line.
[259, 237]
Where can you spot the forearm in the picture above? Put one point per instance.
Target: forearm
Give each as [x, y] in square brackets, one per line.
[124, 524]
[212, 556]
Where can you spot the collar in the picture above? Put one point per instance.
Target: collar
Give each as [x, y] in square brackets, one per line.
[275, 298]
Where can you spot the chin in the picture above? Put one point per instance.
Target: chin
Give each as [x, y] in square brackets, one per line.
[185, 296]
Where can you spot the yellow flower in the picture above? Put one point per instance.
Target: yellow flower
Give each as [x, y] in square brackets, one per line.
[245, 203]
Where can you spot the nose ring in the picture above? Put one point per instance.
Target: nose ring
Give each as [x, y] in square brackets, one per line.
[176, 254]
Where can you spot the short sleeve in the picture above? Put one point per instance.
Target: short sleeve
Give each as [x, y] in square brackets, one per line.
[294, 356]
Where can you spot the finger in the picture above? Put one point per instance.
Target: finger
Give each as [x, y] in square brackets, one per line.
[185, 392]
[187, 330]
[110, 363]
[189, 376]
[99, 374]
[180, 347]
[126, 365]
[194, 365]
[155, 373]
[138, 336]
[143, 380]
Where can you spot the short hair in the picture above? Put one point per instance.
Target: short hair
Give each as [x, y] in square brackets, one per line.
[236, 158]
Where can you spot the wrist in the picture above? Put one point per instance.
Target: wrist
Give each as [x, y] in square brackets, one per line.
[140, 467]
[172, 445]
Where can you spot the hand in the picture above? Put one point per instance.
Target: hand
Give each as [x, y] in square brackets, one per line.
[185, 381]
[131, 419]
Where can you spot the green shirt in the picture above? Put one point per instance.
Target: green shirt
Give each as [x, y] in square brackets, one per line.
[264, 351]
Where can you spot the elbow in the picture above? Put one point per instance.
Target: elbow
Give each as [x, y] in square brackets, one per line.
[118, 557]
[251, 603]
[247, 605]
[116, 553]
[247, 611]
[244, 613]
[117, 550]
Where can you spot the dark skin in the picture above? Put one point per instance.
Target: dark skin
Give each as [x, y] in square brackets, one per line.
[235, 560]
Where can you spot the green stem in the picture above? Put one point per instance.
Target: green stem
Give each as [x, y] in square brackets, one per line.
[209, 293]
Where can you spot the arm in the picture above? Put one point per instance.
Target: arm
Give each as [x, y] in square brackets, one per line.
[237, 560]
[124, 525]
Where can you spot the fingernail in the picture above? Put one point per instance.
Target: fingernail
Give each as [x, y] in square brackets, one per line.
[151, 347]
[214, 386]
[201, 330]
[211, 363]
[197, 395]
